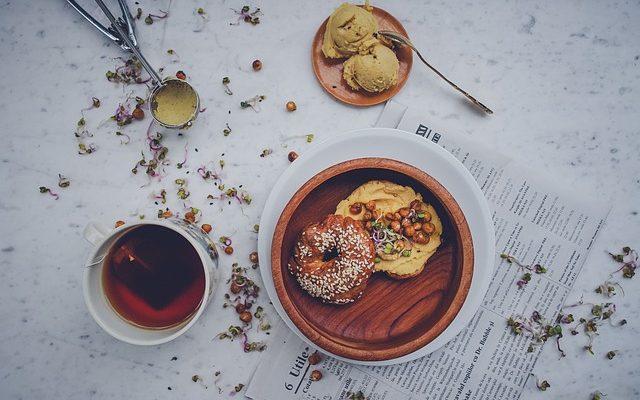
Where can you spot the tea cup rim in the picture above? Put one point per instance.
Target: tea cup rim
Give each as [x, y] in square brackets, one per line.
[93, 299]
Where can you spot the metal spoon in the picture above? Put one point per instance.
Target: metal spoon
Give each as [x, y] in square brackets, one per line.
[122, 32]
[400, 39]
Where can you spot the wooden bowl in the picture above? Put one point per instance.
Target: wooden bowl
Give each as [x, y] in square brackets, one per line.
[329, 70]
[393, 317]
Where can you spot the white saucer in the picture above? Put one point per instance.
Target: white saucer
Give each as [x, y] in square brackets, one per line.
[418, 152]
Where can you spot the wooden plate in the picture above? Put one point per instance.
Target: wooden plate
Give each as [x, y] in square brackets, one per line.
[329, 70]
[393, 317]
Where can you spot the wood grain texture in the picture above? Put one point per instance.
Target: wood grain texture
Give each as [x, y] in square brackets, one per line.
[329, 71]
[393, 317]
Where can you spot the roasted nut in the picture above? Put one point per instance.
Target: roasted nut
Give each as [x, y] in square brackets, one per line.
[137, 113]
[367, 216]
[119, 223]
[389, 216]
[395, 225]
[368, 225]
[253, 257]
[256, 65]
[399, 245]
[292, 156]
[234, 288]
[246, 316]
[375, 214]
[355, 208]
[417, 226]
[206, 228]
[371, 205]
[240, 308]
[427, 216]
[404, 212]
[189, 216]
[291, 106]
[228, 250]
[428, 227]
[406, 222]
[315, 375]
[181, 75]
[397, 216]
[314, 358]
[409, 231]
[415, 205]
[421, 237]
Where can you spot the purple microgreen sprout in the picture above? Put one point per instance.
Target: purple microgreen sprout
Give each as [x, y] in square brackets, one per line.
[198, 379]
[266, 152]
[182, 192]
[162, 196]
[63, 181]
[253, 102]
[629, 260]
[202, 18]
[126, 137]
[237, 389]
[226, 131]
[245, 14]
[541, 385]
[173, 56]
[181, 164]
[526, 277]
[44, 189]
[217, 377]
[355, 396]
[82, 133]
[608, 288]
[129, 72]
[225, 82]
[138, 13]
[536, 328]
[150, 18]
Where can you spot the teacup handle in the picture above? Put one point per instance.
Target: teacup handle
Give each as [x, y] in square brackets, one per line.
[95, 233]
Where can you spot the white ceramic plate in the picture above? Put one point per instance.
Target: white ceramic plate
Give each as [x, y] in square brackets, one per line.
[418, 152]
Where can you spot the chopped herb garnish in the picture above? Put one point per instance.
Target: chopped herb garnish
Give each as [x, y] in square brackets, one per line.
[310, 137]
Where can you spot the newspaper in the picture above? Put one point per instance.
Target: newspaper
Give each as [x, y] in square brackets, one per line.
[535, 221]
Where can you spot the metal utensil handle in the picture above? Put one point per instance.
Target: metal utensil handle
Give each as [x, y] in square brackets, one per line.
[126, 14]
[125, 37]
[396, 37]
[93, 21]
[467, 95]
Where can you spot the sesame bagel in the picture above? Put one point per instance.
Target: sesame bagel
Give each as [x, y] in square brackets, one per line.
[333, 259]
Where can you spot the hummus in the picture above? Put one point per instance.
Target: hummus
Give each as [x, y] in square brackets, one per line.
[389, 197]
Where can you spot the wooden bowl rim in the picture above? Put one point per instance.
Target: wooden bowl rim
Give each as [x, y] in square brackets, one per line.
[461, 229]
[365, 99]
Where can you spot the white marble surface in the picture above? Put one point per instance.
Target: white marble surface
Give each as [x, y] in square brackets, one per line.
[562, 77]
